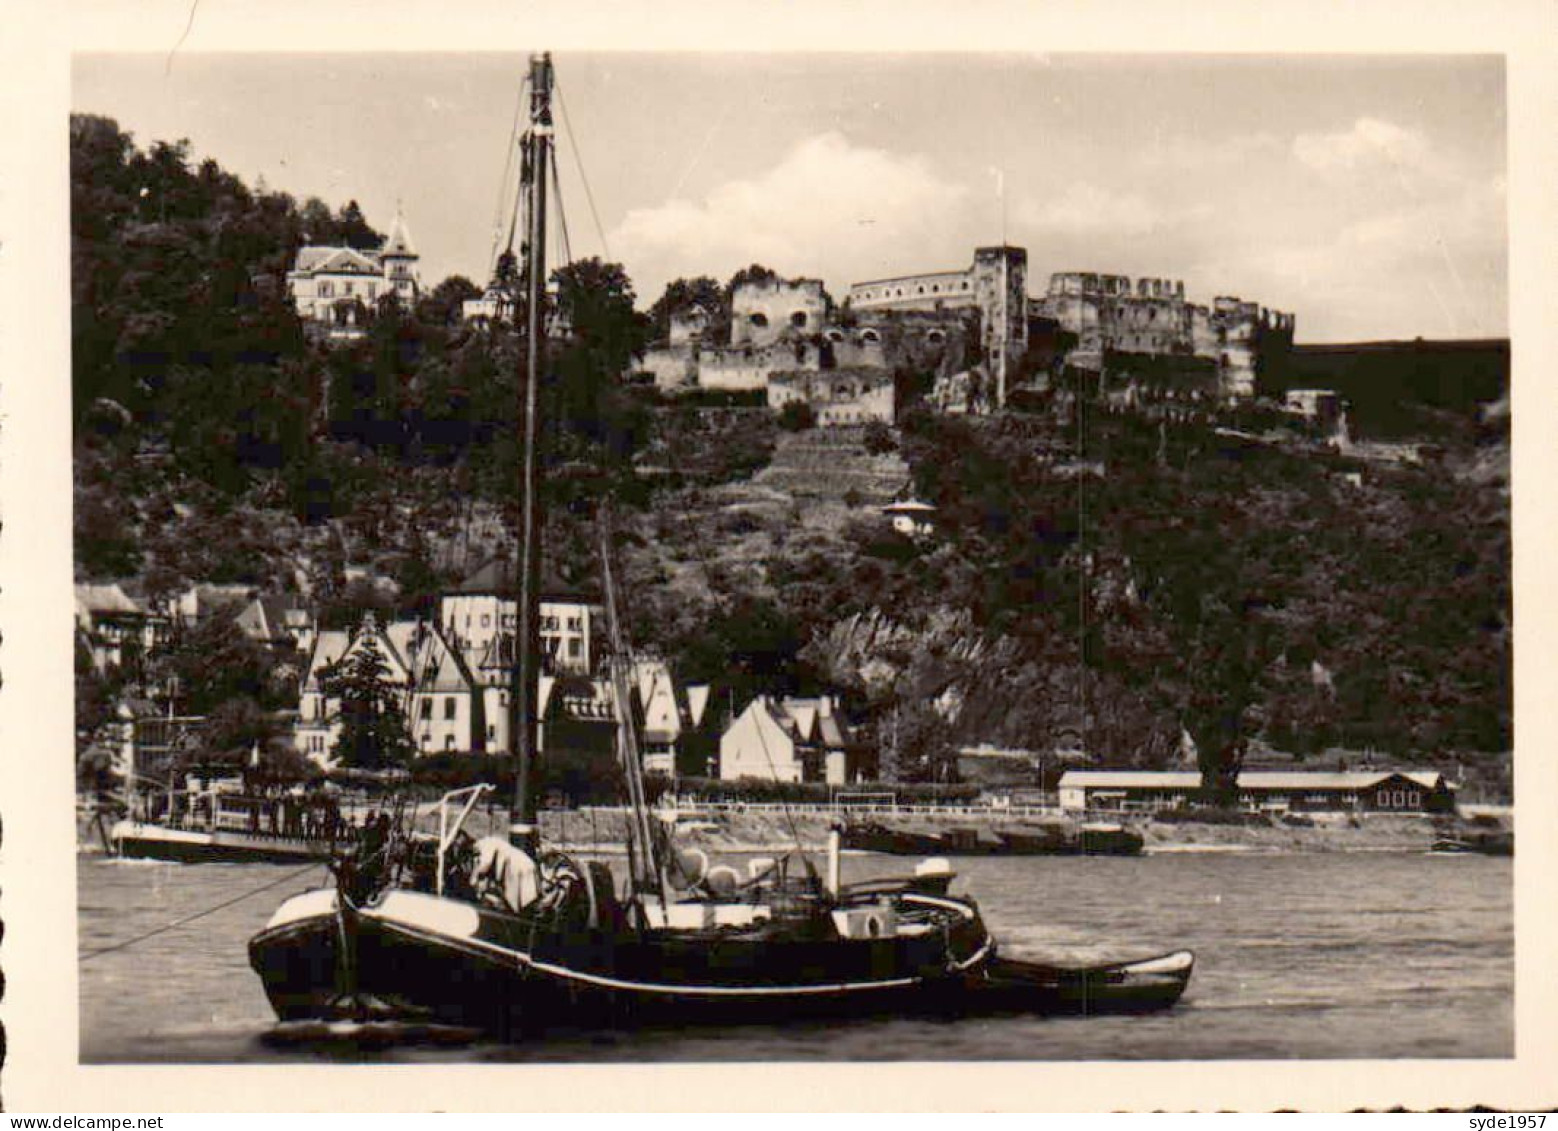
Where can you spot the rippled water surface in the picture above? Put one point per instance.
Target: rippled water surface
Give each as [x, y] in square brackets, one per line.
[1320, 955]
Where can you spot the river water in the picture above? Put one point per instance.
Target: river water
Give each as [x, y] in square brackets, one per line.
[1353, 955]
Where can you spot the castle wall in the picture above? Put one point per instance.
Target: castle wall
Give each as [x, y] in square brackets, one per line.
[748, 367]
[674, 366]
[838, 396]
[762, 313]
[938, 290]
[1108, 313]
[688, 325]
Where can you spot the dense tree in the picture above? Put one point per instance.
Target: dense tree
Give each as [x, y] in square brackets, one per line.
[754, 273]
[212, 663]
[797, 416]
[373, 726]
[680, 295]
[444, 304]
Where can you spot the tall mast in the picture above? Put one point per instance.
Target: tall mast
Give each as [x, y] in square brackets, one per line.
[644, 864]
[525, 696]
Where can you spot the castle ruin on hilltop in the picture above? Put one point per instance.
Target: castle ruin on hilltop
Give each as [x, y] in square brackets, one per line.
[977, 330]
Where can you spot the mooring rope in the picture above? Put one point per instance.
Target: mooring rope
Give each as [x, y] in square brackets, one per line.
[91, 954]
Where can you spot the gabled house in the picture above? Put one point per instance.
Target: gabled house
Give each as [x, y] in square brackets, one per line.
[578, 741]
[791, 740]
[672, 721]
[446, 708]
[115, 627]
[201, 602]
[280, 623]
[319, 708]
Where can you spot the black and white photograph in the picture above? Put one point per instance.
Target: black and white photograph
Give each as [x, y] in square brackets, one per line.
[746, 557]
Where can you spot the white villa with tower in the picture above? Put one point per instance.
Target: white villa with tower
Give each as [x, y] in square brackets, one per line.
[333, 288]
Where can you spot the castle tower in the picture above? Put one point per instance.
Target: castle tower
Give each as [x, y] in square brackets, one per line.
[399, 259]
[1001, 290]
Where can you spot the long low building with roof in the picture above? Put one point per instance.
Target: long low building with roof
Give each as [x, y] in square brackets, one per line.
[1386, 791]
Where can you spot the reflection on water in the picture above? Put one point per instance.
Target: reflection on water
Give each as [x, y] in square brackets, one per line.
[1321, 955]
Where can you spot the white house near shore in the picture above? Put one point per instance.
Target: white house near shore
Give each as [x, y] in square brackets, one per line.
[789, 740]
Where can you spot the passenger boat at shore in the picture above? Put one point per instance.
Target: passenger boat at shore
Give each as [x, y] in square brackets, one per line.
[227, 820]
[137, 840]
[433, 927]
[231, 828]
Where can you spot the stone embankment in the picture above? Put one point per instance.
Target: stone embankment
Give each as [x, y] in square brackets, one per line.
[777, 830]
[770, 830]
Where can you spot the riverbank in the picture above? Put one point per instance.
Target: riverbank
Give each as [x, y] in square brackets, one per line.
[769, 830]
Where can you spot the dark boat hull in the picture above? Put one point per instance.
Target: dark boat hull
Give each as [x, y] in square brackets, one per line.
[513, 975]
[219, 846]
[459, 975]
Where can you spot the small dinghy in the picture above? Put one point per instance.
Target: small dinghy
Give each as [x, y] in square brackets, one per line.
[1010, 985]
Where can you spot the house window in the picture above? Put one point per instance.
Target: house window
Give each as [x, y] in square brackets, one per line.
[427, 708]
[492, 731]
[448, 742]
[346, 288]
[372, 290]
[449, 706]
[575, 649]
[575, 624]
[326, 289]
[486, 620]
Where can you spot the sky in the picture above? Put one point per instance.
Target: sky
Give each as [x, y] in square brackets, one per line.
[1365, 194]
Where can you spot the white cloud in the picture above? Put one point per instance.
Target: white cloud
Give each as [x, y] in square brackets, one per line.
[1368, 141]
[1199, 152]
[1089, 208]
[828, 208]
[1433, 264]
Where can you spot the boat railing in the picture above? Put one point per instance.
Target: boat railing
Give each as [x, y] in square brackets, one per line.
[448, 829]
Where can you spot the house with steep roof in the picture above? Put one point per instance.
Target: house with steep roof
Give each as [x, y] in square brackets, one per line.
[202, 601]
[673, 721]
[791, 740]
[319, 707]
[334, 288]
[282, 623]
[114, 626]
[445, 707]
